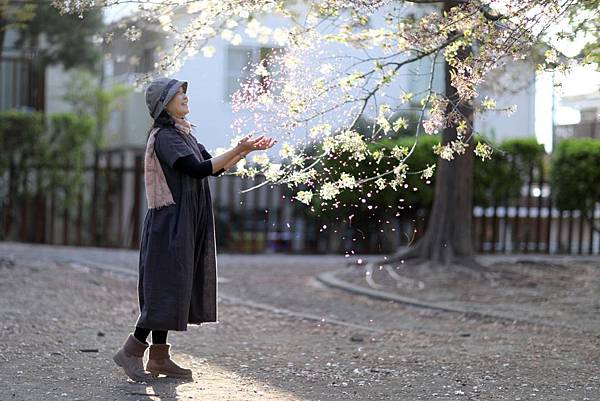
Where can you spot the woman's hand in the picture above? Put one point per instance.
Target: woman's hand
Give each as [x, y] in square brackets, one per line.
[247, 144]
[265, 143]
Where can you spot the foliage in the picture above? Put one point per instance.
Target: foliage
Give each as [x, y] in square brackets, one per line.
[502, 177]
[88, 98]
[20, 133]
[575, 174]
[69, 37]
[14, 16]
[584, 21]
[66, 149]
[57, 151]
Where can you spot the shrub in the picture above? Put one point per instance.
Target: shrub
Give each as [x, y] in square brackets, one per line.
[57, 151]
[575, 174]
[67, 144]
[20, 133]
[503, 176]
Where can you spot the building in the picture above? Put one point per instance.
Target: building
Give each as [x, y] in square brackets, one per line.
[513, 85]
[22, 85]
[584, 112]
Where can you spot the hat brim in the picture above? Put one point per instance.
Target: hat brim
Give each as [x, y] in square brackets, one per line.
[172, 92]
[174, 89]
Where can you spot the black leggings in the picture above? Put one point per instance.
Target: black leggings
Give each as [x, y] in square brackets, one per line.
[158, 336]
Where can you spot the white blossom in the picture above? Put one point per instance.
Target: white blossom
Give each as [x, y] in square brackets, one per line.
[399, 152]
[326, 68]
[286, 150]
[253, 28]
[208, 51]
[329, 191]
[227, 34]
[236, 40]
[324, 129]
[483, 150]
[428, 172]
[280, 36]
[304, 196]
[273, 172]
[261, 159]
[400, 123]
[346, 181]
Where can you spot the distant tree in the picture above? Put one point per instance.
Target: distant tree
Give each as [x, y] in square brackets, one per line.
[69, 38]
[87, 97]
[584, 21]
[13, 15]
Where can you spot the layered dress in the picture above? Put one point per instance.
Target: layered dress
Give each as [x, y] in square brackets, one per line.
[177, 282]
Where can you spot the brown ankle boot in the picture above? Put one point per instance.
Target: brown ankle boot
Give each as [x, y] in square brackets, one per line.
[159, 361]
[131, 358]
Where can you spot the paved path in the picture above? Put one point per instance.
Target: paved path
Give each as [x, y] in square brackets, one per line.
[268, 344]
[282, 282]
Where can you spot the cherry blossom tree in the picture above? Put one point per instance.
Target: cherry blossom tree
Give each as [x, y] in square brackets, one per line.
[335, 68]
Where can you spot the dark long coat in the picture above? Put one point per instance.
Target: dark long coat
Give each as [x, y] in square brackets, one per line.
[177, 282]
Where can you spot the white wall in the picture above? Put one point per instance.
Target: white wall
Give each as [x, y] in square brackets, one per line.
[513, 86]
[206, 85]
[57, 80]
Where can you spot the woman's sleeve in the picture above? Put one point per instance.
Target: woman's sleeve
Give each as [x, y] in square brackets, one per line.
[208, 156]
[191, 166]
[170, 146]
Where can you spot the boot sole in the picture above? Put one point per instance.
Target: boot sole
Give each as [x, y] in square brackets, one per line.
[122, 365]
[156, 373]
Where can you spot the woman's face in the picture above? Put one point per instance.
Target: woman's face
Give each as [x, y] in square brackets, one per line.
[178, 105]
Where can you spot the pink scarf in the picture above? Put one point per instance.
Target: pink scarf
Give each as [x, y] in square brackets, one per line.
[158, 193]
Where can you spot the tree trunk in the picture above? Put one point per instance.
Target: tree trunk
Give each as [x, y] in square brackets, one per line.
[448, 235]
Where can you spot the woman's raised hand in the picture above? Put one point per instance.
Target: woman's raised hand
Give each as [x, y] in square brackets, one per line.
[265, 143]
[248, 144]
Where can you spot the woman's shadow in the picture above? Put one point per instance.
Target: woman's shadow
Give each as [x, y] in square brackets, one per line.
[158, 388]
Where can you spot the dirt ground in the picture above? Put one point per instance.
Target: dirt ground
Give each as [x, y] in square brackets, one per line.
[59, 327]
[563, 293]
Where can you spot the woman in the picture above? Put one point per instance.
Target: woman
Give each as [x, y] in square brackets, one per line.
[177, 283]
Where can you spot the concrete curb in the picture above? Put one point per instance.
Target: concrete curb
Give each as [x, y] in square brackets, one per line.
[330, 279]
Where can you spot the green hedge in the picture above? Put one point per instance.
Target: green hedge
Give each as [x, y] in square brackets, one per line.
[575, 174]
[503, 176]
[66, 139]
[20, 135]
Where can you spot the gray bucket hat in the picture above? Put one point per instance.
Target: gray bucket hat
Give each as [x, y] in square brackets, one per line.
[160, 92]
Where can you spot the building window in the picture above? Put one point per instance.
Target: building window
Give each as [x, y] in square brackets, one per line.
[120, 65]
[17, 81]
[146, 62]
[239, 61]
